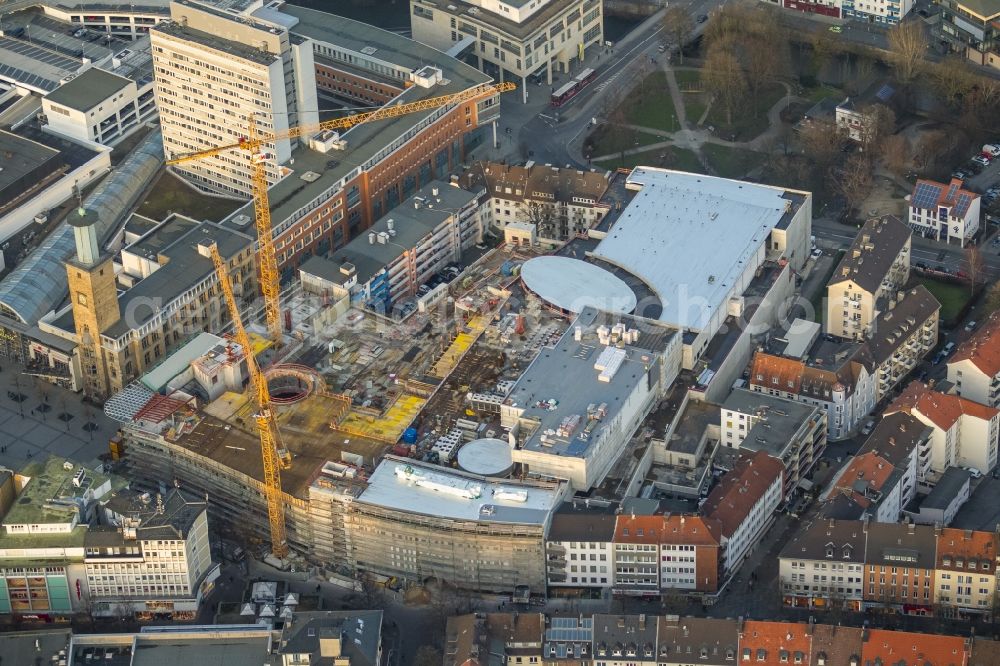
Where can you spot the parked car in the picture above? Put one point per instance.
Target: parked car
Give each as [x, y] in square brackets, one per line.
[423, 290]
[921, 265]
[960, 174]
[836, 28]
[975, 473]
[661, 48]
[867, 428]
[948, 349]
[991, 149]
[981, 160]
[971, 325]
[816, 253]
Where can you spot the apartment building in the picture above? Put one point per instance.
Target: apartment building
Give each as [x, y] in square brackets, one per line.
[822, 566]
[216, 69]
[666, 554]
[902, 335]
[578, 548]
[965, 581]
[625, 640]
[884, 475]
[150, 556]
[513, 638]
[743, 504]
[844, 389]
[512, 39]
[874, 269]
[848, 379]
[76, 540]
[900, 565]
[341, 638]
[964, 433]
[558, 204]
[974, 368]
[884, 645]
[104, 105]
[944, 211]
[868, 486]
[47, 508]
[789, 431]
[681, 640]
[972, 29]
[880, 13]
[169, 293]
[401, 251]
[775, 643]
[568, 641]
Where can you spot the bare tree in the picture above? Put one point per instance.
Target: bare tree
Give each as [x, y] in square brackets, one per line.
[854, 181]
[723, 77]
[372, 592]
[879, 123]
[991, 303]
[427, 655]
[821, 142]
[907, 47]
[678, 24]
[973, 266]
[952, 78]
[896, 153]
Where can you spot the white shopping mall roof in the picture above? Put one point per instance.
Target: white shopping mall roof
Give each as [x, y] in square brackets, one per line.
[690, 236]
[571, 285]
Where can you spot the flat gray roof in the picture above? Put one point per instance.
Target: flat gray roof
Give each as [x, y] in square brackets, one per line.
[690, 237]
[364, 141]
[355, 36]
[184, 269]
[778, 419]
[946, 489]
[21, 157]
[410, 223]
[88, 90]
[558, 280]
[566, 374]
[403, 484]
[210, 41]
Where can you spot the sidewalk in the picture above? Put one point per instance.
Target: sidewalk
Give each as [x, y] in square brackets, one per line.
[49, 421]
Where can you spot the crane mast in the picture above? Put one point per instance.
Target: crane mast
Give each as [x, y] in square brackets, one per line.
[256, 143]
[267, 425]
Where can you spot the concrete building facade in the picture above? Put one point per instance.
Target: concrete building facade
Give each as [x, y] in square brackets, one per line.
[944, 211]
[875, 267]
[512, 39]
[215, 71]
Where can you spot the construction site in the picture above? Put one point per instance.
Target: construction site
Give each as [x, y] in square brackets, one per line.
[347, 391]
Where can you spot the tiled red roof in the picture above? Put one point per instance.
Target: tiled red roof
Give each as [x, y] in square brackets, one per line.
[942, 409]
[737, 492]
[774, 643]
[983, 348]
[911, 649]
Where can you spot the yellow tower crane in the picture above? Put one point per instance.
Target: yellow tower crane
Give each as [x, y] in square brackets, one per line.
[267, 424]
[256, 143]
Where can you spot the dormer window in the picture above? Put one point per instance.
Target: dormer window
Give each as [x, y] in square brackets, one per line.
[746, 654]
[730, 654]
[829, 552]
[783, 656]
[761, 654]
[798, 657]
[704, 653]
[821, 659]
